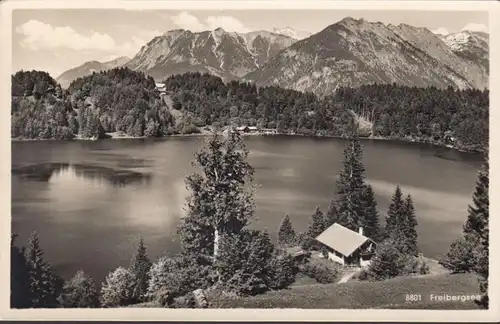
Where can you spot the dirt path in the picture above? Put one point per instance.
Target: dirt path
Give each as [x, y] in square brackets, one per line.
[348, 275]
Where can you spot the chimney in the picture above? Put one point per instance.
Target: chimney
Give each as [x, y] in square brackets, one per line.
[360, 231]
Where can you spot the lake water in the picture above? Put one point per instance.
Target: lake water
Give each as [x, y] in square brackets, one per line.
[89, 214]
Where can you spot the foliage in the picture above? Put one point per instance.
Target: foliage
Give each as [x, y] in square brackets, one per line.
[461, 256]
[388, 262]
[44, 285]
[399, 112]
[243, 264]
[409, 227]
[284, 269]
[219, 200]
[323, 271]
[371, 223]
[394, 220]
[140, 266]
[350, 204]
[19, 276]
[79, 292]
[118, 289]
[176, 276]
[471, 252]
[286, 233]
[316, 223]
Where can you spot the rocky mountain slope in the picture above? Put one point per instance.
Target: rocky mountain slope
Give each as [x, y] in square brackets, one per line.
[226, 54]
[470, 46]
[88, 68]
[356, 52]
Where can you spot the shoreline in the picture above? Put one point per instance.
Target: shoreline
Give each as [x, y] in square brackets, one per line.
[113, 136]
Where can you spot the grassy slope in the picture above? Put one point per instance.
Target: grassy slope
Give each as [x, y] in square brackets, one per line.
[355, 294]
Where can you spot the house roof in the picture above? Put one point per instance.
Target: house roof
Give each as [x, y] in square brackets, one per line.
[342, 239]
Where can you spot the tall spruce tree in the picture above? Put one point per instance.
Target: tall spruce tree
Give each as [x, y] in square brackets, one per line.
[19, 277]
[44, 285]
[316, 223]
[395, 214]
[410, 226]
[371, 223]
[350, 186]
[286, 233]
[219, 202]
[140, 266]
[478, 225]
[331, 215]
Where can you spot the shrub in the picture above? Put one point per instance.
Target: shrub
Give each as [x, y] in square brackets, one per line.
[460, 257]
[118, 289]
[387, 263]
[323, 271]
[284, 269]
[178, 275]
[79, 292]
[243, 262]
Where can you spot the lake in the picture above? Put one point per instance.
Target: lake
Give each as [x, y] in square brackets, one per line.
[94, 199]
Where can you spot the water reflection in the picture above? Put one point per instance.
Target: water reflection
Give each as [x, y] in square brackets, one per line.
[116, 177]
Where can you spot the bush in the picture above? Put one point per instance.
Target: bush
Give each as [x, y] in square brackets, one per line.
[323, 271]
[416, 266]
[79, 292]
[118, 289]
[387, 263]
[243, 262]
[285, 270]
[460, 257]
[178, 275]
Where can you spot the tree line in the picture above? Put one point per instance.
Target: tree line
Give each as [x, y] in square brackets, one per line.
[456, 117]
[121, 100]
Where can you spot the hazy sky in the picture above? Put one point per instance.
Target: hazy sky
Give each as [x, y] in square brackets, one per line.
[55, 40]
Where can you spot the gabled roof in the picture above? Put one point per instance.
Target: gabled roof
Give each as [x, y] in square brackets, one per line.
[342, 239]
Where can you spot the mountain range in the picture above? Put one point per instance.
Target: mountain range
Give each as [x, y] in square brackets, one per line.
[351, 52]
[88, 68]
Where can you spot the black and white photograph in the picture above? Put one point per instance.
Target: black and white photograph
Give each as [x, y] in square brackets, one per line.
[329, 158]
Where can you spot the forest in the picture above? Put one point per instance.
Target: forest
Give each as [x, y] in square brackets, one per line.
[121, 100]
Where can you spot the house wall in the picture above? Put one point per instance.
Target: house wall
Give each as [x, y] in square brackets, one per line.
[332, 256]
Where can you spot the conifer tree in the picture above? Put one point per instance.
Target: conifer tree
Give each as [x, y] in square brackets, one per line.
[331, 215]
[410, 224]
[286, 233]
[387, 262]
[350, 186]
[140, 266]
[219, 202]
[19, 277]
[44, 286]
[478, 225]
[316, 224]
[395, 214]
[371, 223]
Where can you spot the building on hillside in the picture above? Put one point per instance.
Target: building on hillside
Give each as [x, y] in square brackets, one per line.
[347, 247]
[161, 87]
[247, 129]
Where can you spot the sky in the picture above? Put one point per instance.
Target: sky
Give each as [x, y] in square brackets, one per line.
[55, 40]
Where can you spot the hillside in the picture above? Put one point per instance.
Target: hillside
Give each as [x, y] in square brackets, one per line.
[419, 114]
[389, 294]
[357, 52]
[225, 54]
[117, 100]
[87, 69]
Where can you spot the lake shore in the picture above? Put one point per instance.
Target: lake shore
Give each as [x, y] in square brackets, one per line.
[204, 132]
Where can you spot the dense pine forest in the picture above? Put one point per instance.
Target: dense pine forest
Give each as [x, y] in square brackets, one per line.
[121, 100]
